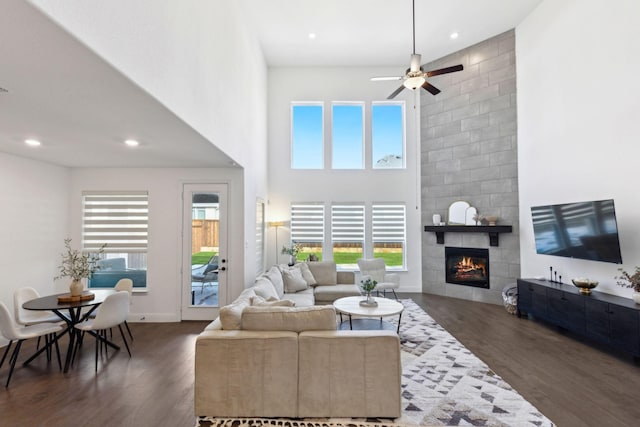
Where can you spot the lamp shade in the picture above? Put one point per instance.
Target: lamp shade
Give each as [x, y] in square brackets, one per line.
[414, 82]
[275, 223]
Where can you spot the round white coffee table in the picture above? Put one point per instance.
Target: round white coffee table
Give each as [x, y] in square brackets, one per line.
[368, 316]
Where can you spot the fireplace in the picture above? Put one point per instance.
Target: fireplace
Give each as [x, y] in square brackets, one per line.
[467, 266]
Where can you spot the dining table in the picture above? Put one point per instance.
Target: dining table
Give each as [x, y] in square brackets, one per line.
[71, 313]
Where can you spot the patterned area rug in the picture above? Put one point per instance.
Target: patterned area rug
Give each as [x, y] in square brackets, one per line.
[443, 384]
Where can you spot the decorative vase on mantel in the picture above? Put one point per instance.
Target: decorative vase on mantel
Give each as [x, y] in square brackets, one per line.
[636, 297]
[76, 287]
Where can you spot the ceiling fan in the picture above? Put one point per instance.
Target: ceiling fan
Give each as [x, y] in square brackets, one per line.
[415, 76]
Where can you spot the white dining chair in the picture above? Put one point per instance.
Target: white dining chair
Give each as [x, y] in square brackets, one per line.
[14, 332]
[30, 317]
[113, 312]
[122, 285]
[376, 269]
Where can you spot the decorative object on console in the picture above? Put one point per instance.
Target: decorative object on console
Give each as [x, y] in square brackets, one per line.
[585, 285]
[368, 285]
[436, 219]
[77, 266]
[630, 281]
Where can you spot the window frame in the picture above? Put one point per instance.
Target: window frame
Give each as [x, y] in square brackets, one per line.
[403, 124]
[119, 219]
[363, 138]
[292, 144]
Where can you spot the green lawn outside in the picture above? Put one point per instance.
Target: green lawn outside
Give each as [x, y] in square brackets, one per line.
[392, 259]
[201, 257]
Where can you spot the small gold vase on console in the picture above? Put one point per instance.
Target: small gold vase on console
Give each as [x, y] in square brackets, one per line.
[76, 287]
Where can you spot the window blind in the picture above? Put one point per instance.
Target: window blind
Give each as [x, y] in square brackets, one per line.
[307, 223]
[347, 223]
[119, 219]
[388, 223]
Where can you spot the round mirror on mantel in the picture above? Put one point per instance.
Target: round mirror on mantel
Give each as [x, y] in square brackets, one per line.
[458, 213]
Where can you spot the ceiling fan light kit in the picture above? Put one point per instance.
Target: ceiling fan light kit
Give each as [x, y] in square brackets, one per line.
[415, 76]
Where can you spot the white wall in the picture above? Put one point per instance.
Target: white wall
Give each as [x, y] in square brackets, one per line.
[34, 220]
[162, 301]
[198, 59]
[287, 185]
[578, 109]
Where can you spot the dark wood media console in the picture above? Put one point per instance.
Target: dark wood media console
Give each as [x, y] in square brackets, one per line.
[607, 319]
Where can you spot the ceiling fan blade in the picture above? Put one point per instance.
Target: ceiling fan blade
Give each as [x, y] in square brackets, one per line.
[444, 71]
[395, 92]
[430, 88]
[382, 79]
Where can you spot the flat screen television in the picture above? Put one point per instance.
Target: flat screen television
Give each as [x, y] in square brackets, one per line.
[585, 230]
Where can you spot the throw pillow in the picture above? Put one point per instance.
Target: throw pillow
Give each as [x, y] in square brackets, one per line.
[293, 281]
[231, 315]
[275, 277]
[265, 288]
[306, 273]
[258, 301]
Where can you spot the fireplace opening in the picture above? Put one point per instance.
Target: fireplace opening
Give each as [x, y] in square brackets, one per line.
[467, 266]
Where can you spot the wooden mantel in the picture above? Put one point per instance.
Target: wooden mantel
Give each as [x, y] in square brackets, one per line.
[492, 230]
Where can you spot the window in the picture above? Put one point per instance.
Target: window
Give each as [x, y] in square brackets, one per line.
[347, 234]
[347, 136]
[307, 136]
[388, 234]
[387, 135]
[307, 229]
[119, 220]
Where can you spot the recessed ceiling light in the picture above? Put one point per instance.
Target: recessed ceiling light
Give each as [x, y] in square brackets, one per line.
[32, 142]
[454, 36]
[131, 143]
[312, 36]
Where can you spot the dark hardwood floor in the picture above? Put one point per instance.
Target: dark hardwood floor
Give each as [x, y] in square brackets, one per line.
[572, 382]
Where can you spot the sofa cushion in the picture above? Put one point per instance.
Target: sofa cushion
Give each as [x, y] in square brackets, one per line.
[293, 280]
[231, 315]
[328, 294]
[294, 319]
[265, 288]
[324, 272]
[275, 277]
[302, 298]
[307, 275]
[258, 301]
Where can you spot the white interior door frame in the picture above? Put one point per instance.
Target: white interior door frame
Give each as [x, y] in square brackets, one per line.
[189, 311]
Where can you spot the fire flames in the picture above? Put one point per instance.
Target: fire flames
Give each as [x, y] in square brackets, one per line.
[468, 266]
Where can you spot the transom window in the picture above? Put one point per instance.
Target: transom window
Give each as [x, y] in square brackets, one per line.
[307, 136]
[347, 140]
[387, 135]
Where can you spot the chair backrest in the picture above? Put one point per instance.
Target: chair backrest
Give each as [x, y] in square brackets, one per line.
[113, 311]
[124, 285]
[20, 296]
[374, 268]
[8, 326]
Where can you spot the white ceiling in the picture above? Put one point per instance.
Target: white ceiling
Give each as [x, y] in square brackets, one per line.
[57, 87]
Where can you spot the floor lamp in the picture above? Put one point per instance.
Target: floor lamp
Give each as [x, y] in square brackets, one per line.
[276, 224]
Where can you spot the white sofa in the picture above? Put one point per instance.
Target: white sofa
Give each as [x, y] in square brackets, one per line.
[265, 357]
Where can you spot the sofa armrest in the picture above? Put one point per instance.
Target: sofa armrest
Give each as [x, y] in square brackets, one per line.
[346, 277]
[246, 374]
[355, 374]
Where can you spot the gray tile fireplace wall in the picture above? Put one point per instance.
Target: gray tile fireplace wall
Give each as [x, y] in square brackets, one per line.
[469, 152]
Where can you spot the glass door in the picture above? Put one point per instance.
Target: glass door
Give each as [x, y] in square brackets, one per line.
[204, 282]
